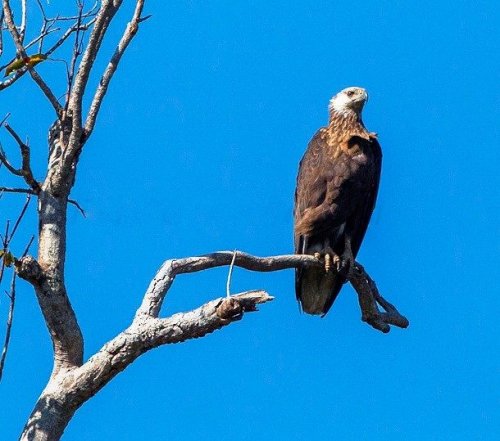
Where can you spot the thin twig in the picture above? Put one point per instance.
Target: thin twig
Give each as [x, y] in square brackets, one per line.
[230, 274]
[1, 32]
[67, 34]
[20, 217]
[77, 50]
[27, 249]
[5, 246]
[77, 205]
[8, 165]
[30, 191]
[10, 318]
[16, 190]
[40, 37]
[5, 118]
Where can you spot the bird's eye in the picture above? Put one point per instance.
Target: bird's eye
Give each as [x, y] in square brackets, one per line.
[350, 93]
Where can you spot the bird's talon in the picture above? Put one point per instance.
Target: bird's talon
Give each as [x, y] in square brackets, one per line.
[328, 262]
[317, 256]
[337, 262]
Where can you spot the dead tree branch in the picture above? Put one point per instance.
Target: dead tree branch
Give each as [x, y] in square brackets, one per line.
[8, 327]
[147, 331]
[359, 279]
[16, 190]
[369, 297]
[128, 35]
[5, 253]
[103, 19]
[18, 41]
[25, 170]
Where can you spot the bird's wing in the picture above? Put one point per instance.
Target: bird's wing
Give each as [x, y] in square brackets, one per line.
[319, 203]
[359, 219]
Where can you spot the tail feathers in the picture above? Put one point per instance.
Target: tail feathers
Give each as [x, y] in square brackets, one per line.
[316, 290]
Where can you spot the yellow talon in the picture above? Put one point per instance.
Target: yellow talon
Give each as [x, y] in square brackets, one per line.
[336, 261]
[328, 262]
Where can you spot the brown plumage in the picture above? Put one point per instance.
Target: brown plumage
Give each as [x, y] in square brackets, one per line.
[337, 187]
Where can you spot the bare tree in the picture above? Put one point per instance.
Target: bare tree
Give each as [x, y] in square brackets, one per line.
[74, 380]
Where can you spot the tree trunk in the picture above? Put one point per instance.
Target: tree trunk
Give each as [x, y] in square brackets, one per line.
[49, 418]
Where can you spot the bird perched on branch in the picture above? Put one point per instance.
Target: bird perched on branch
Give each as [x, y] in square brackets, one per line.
[336, 190]
[29, 61]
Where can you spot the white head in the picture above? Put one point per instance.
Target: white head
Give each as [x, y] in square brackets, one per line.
[351, 99]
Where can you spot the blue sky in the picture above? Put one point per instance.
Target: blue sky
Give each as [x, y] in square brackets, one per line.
[196, 150]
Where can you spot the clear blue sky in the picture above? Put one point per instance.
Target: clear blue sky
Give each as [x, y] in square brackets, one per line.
[196, 150]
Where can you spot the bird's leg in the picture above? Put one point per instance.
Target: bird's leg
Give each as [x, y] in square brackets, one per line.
[337, 262]
[328, 262]
[329, 257]
[345, 262]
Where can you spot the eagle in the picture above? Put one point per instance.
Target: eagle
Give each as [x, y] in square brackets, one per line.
[337, 187]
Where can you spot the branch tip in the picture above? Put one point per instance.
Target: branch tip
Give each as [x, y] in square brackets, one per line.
[232, 308]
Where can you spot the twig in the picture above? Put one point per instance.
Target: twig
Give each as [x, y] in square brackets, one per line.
[12, 295]
[10, 318]
[8, 236]
[25, 170]
[45, 26]
[12, 79]
[77, 205]
[5, 246]
[40, 38]
[67, 34]
[20, 218]
[5, 118]
[1, 32]
[77, 50]
[229, 275]
[26, 250]
[7, 164]
[16, 190]
[29, 191]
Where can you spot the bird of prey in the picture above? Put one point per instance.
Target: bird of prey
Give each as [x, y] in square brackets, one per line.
[336, 190]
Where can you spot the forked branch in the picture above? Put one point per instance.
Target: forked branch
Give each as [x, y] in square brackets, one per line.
[127, 37]
[148, 331]
[366, 289]
[25, 170]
